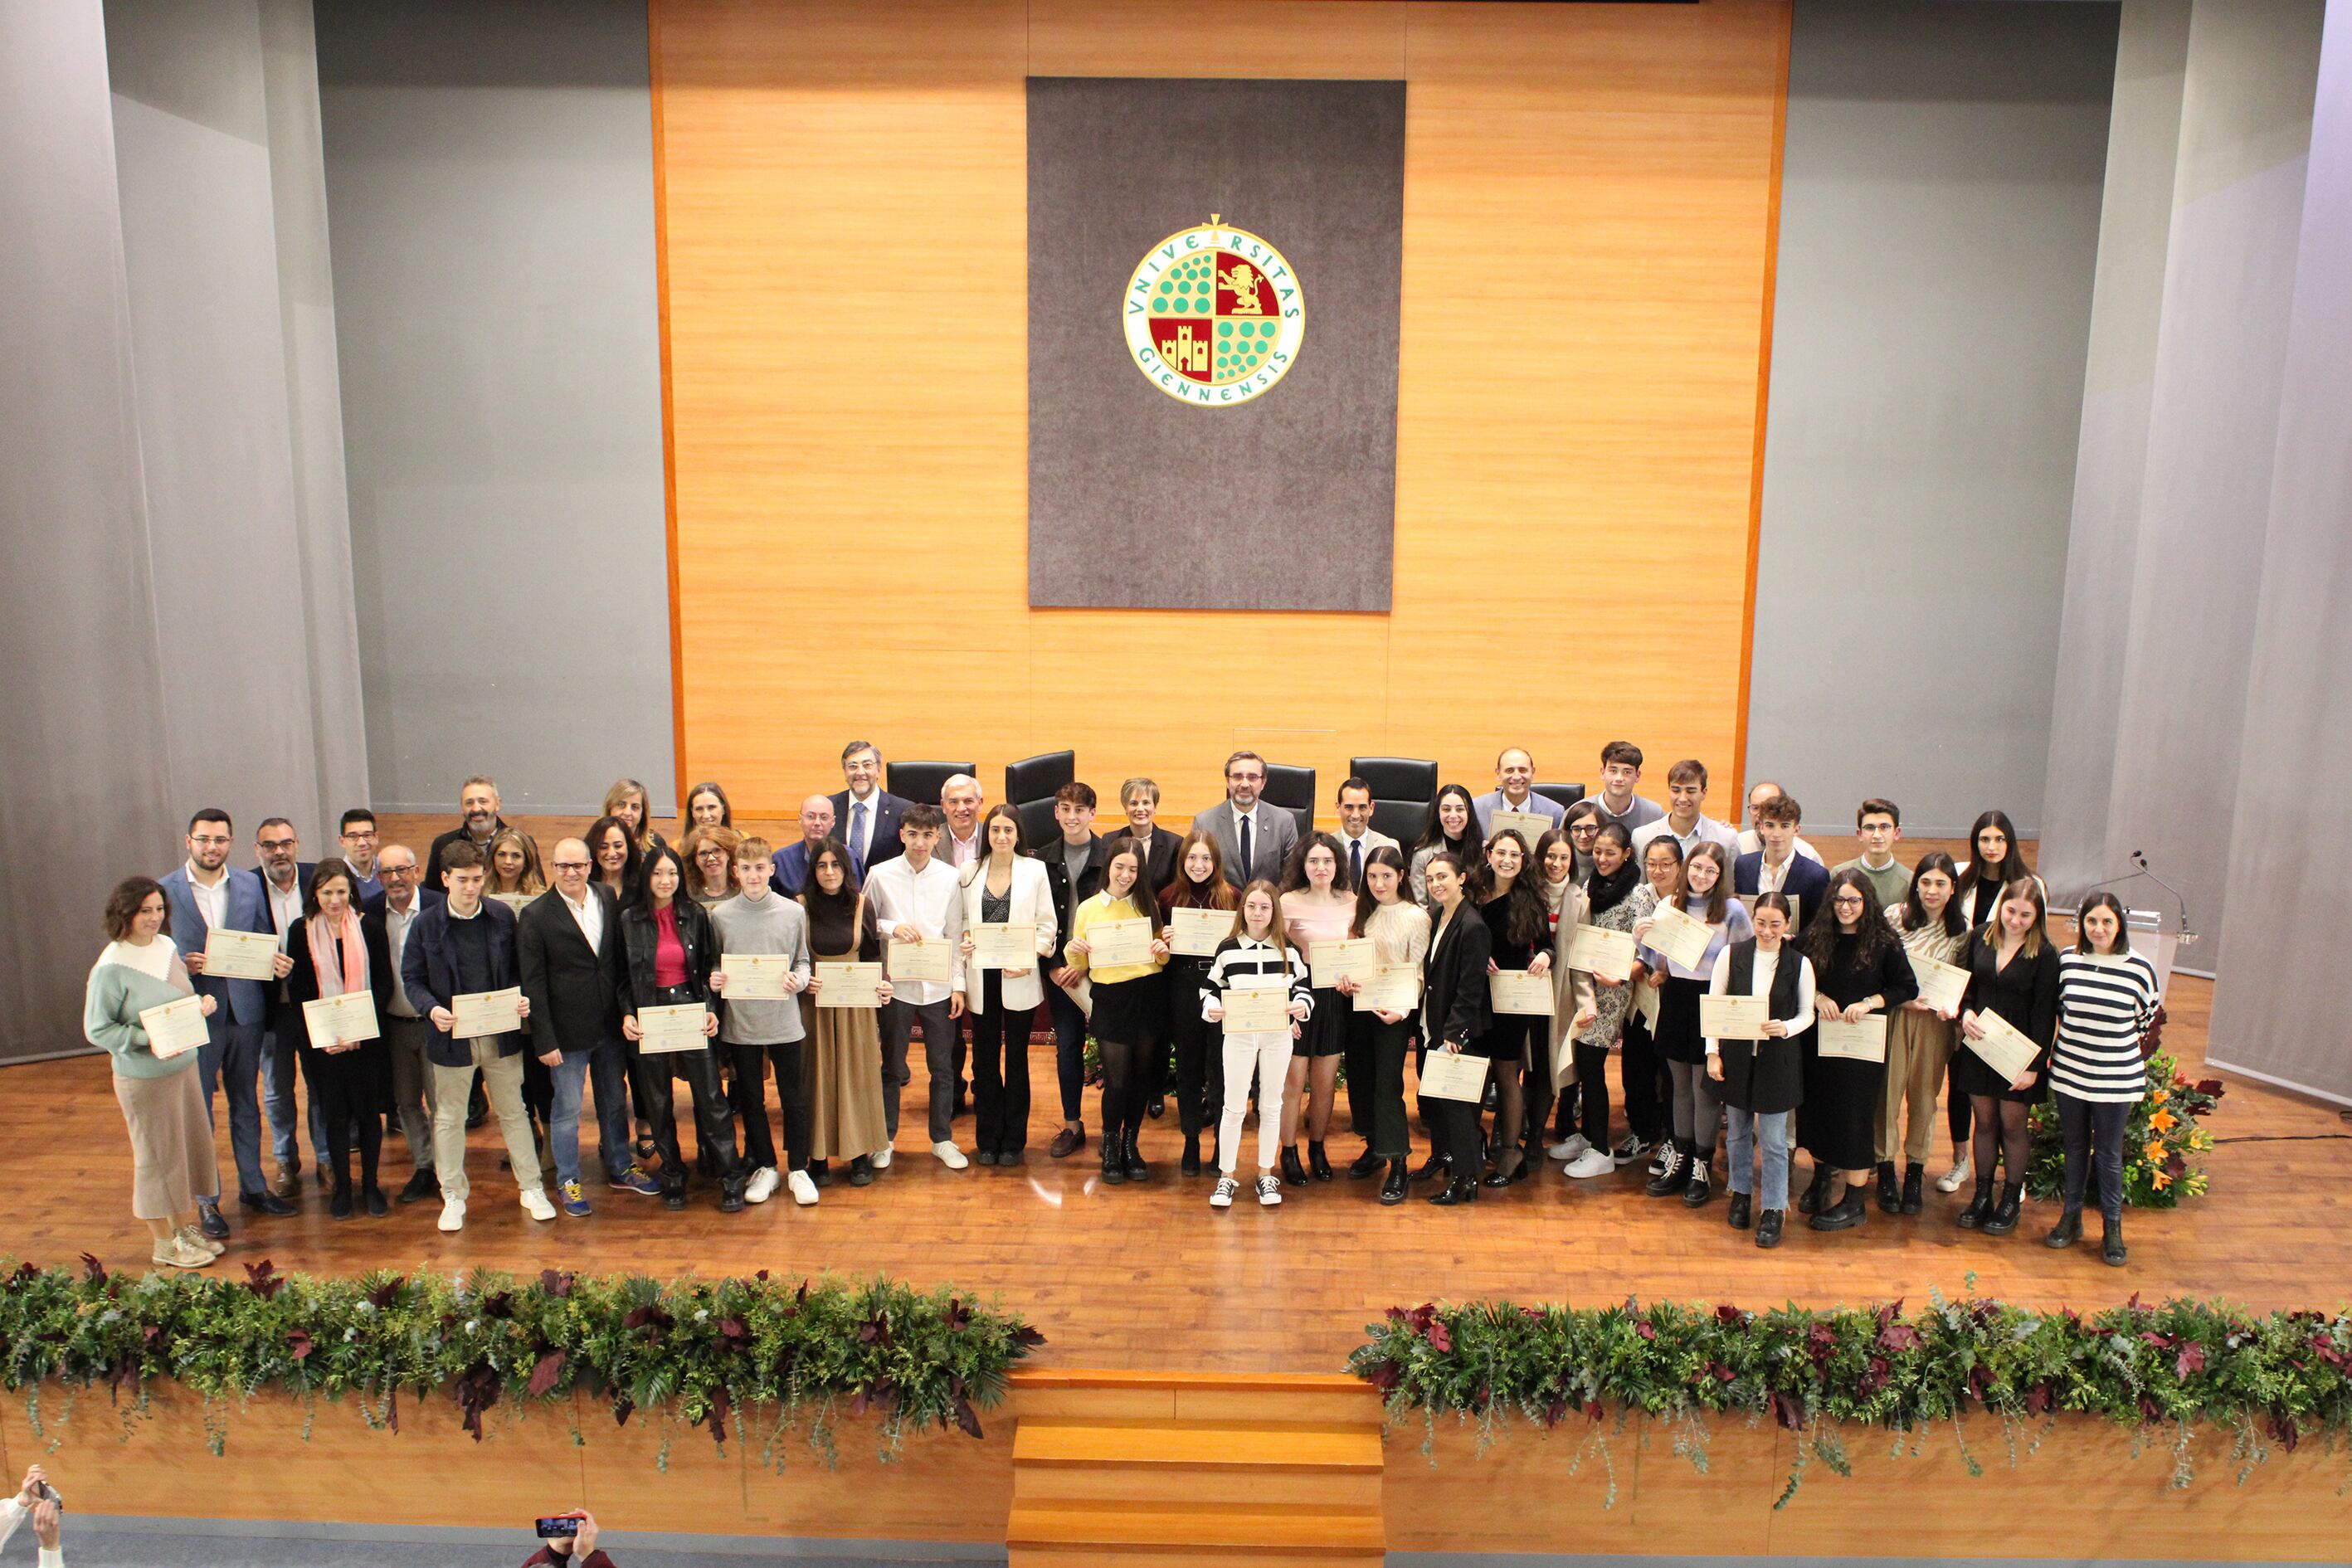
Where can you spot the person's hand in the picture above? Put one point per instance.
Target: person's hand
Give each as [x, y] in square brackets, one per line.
[30, 1492]
[812, 984]
[902, 931]
[1061, 976]
[1970, 1027]
[522, 1008]
[1159, 947]
[582, 1542]
[1583, 1022]
[1715, 1067]
[194, 960]
[718, 982]
[1606, 984]
[1915, 1007]
[281, 965]
[551, 1060]
[2025, 1081]
[1540, 965]
[629, 1030]
[205, 1005]
[1213, 1011]
[1642, 926]
[967, 946]
[1947, 1018]
[1017, 974]
[1298, 1010]
[444, 1019]
[1775, 1030]
[1452, 1047]
[1385, 1016]
[1080, 946]
[1824, 1009]
[710, 1024]
[884, 992]
[1347, 986]
[1859, 1011]
[955, 1005]
[794, 981]
[1493, 967]
[45, 1524]
[1296, 1032]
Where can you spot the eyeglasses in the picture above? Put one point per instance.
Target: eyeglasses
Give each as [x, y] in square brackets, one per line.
[1846, 901]
[390, 872]
[572, 864]
[269, 845]
[1584, 830]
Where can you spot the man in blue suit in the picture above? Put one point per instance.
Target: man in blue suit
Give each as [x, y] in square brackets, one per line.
[283, 880]
[1515, 783]
[1778, 867]
[202, 893]
[867, 815]
[792, 860]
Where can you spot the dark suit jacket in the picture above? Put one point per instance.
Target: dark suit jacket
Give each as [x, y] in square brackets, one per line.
[1453, 980]
[302, 980]
[575, 995]
[1807, 882]
[1065, 897]
[889, 810]
[1275, 831]
[238, 1001]
[305, 872]
[791, 863]
[639, 937]
[428, 972]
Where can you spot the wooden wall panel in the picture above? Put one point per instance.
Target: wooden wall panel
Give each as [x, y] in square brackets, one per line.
[1587, 200]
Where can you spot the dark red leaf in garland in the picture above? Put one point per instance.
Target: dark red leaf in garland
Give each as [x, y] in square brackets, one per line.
[1395, 1314]
[383, 1295]
[869, 1332]
[2283, 1428]
[544, 1373]
[2161, 1341]
[1979, 1380]
[1025, 1335]
[2149, 1410]
[392, 1410]
[499, 1304]
[857, 1403]
[25, 1273]
[1440, 1338]
[649, 1316]
[2037, 1399]
[967, 1418]
[762, 1276]
[1644, 1329]
[152, 1335]
[958, 1317]
[2175, 1166]
[2211, 1088]
[1592, 1409]
[622, 1405]
[263, 1279]
[1555, 1412]
[1727, 1315]
[1788, 1412]
[92, 1269]
[1898, 1337]
[476, 1392]
[299, 1342]
[2133, 1305]
[721, 1405]
[2192, 1359]
[733, 1335]
[800, 1298]
[1722, 1373]
[1532, 1314]
[556, 1284]
[1385, 1375]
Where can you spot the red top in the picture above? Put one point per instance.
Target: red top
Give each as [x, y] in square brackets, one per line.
[670, 954]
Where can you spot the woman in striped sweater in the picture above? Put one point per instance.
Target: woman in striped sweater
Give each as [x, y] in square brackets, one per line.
[2106, 995]
[1255, 955]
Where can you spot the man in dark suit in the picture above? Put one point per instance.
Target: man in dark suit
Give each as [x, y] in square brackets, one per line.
[865, 815]
[1257, 838]
[568, 948]
[284, 878]
[398, 899]
[201, 893]
[792, 861]
[1073, 872]
[1778, 867]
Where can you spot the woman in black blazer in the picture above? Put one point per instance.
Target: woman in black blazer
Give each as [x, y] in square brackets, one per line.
[1454, 1016]
[672, 956]
[336, 948]
[2013, 974]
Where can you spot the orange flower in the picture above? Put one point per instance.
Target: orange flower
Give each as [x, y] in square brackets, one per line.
[2162, 1181]
[2154, 1153]
[2163, 1121]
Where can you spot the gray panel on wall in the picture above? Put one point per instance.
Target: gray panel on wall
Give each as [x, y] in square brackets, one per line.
[489, 181]
[1120, 473]
[1940, 213]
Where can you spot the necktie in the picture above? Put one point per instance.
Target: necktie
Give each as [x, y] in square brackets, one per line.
[858, 836]
[1356, 862]
[1246, 861]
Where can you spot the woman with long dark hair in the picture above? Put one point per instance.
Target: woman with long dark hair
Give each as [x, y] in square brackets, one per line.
[1199, 883]
[1378, 1039]
[1455, 1015]
[672, 954]
[1616, 896]
[1004, 887]
[2013, 974]
[845, 1044]
[1318, 904]
[1859, 968]
[1452, 830]
[1504, 888]
[1126, 1013]
[706, 806]
[1931, 928]
[1994, 859]
[614, 851]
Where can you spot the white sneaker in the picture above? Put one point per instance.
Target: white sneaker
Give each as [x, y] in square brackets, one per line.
[1570, 1147]
[1592, 1163]
[453, 1213]
[804, 1188]
[762, 1185]
[1222, 1198]
[880, 1159]
[177, 1251]
[1950, 1182]
[534, 1204]
[1269, 1191]
[950, 1156]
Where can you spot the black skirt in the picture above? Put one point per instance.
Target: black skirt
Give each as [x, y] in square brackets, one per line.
[1325, 1033]
[1972, 1075]
[1838, 1122]
[1678, 1035]
[1129, 1012]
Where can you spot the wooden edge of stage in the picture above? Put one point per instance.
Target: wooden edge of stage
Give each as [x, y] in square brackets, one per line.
[1299, 1382]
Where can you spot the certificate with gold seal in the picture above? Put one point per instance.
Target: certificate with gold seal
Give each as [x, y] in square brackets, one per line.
[1732, 1017]
[927, 960]
[1007, 944]
[480, 1013]
[1683, 937]
[239, 955]
[1327, 961]
[345, 1020]
[175, 1027]
[1196, 932]
[1516, 991]
[846, 984]
[1389, 988]
[1865, 1041]
[667, 1029]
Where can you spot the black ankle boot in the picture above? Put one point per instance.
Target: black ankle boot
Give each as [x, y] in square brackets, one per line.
[1393, 1190]
[1137, 1170]
[1914, 1190]
[1318, 1162]
[1890, 1198]
[2112, 1251]
[2067, 1231]
[340, 1206]
[1432, 1167]
[1979, 1208]
[1816, 1197]
[1190, 1164]
[1366, 1165]
[1843, 1215]
[1294, 1174]
[2004, 1218]
[1114, 1161]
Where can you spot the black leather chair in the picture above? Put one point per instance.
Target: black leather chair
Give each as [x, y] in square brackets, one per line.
[1293, 789]
[1404, 792]
[1567, 795]
[921, 781]
[1029, 786]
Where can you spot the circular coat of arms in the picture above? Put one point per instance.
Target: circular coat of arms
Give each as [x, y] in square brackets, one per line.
[1214, 315]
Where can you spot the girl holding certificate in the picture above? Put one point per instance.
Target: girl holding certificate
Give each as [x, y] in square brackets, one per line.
[1377, 1037]
[2013, 976]
[171, 1158]
[1642, 1070]
[2106, 998]
[1454, 1015]
[844, 1064]
[1518, 928]
[1992, 847]
[1199, 884]
[1004, 887]
[1616, 896]
[1572, 1008]
[1318, 905]
[1452, 830]
[338, 951]
[1705, 896]
[1859, 970]
[1255, 958]
[672, 953]
[1919, 1038]
[1125, 1016]
[1762, 1080]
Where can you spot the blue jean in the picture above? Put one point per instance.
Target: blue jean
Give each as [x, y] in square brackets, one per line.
[1772, 1128]
[1070, 1049]
[278, 1074]
[608, 1062]
[233, 1056]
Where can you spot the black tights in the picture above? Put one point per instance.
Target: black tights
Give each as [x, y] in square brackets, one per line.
[2001, 1132]
[1127, 1080]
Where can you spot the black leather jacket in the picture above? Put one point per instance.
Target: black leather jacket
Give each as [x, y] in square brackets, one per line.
[695, 933]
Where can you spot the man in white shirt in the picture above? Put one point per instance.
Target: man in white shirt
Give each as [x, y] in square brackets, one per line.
[1515, 783]
[406, 1033]
[285, 881]
[1621, 771]
[1751, 841]
[1356, 837]
[1256, 839]
[918, 900]
[1684, 822]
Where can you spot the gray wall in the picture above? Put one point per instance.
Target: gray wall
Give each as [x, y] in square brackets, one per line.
[1939, 218]
[489, 176]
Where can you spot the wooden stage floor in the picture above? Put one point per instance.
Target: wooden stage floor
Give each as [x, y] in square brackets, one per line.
[1150, 1277]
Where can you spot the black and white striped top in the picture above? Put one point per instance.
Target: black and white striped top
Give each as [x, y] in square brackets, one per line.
[2106, 1001]
[1243, 956]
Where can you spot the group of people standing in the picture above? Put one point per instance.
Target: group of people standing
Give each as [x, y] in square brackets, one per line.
[504, 985]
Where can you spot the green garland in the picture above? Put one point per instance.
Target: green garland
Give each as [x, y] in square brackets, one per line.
[2269, 1379]
[711, 1349]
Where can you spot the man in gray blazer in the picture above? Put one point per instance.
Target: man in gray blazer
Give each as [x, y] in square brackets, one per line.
[1515, 782]
[1256, 838]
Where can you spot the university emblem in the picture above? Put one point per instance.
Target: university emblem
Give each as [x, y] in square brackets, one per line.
[1214, 315]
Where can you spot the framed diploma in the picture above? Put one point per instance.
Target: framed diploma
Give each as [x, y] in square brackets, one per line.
[175, 1027]
[848, 984]
[340, 1020]
[1605, 954]
[1006, 945]
[930, 961]
[1863, 1042]
[481, 1013]
[239, 955]
[1389, 988]
[1732, 1017]
[1197, 933]
[1451, 1077]
[1257, 1009]
[514, 901]
[756, 977]
[1327, 961]
[1941, 984]
[1516, 991]
[1111, 945]
[2006, 1049]
[1530, 826]
[667, 1029]
[1796, 910]
[1682, 937]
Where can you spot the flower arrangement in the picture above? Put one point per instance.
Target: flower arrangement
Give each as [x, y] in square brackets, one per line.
[2273, 1379]
[707, 1349]
[2161, 1140]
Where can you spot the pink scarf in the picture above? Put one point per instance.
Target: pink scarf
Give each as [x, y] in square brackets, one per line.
[352, 974]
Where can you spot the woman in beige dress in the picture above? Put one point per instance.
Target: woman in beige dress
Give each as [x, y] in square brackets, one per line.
[843, 1067]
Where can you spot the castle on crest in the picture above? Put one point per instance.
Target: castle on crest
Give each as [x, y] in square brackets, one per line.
[1185, 353]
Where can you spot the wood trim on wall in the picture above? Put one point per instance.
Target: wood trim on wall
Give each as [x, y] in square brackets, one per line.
[668, 419]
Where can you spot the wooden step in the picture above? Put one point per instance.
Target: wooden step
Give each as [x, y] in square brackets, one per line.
[1297, 1447]
[1336, 1490]
[1093, 1556]
[1209, 1525]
